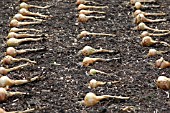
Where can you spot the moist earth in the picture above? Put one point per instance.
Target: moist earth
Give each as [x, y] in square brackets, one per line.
[64, 82]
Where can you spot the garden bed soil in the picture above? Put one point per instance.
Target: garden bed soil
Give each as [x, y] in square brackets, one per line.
[63, 81]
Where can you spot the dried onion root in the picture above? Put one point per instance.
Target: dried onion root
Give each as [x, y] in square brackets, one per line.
[5, 71]
[142, 26]
[146, 33]
[20, 17]
[142, 1]
[82, 6]
[5, 94]
[153, 52]
[16, 42]
[16, 23]
[27, 6]
[10, 60]
[83, 18]
[161, 63]
[86, 33]
[7, 82]
[14, 29]
[86, 12]
[88, 50]
[13, 52]
[25, 12]
[91, 99]
[148, 41]
[138, 5]
[163, 82]
[147, 14]
[141, 18]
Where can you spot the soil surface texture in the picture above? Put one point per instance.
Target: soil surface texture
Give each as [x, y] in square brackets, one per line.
[64, 81]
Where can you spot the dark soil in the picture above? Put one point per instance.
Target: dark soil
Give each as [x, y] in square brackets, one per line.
[63, 85]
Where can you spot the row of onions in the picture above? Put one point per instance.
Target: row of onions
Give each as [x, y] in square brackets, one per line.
[16, 36]
[140, 18]
[86, 9]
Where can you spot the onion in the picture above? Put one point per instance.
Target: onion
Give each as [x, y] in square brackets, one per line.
[16, 23]
[16, 42]
[5, 94]
[10, 60]
[14, 29]
[26, 6]
[13, 52]
[82, 6]
[142, 1]
[141, 18]
[163, 82]
[25, 12]
[161, 63]
[147, 14]
[20, 17]
[86, 33]
[142, 26]
[6, 81]
[91, 99]
[88, 50]
[153, 52]
[17, 35]
[83, 18]
[138, 5]
[5, 71]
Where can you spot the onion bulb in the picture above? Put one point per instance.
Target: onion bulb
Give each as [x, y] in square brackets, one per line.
[91, 99]
[86, 33]
[161, 63]
[153, 52]
[27, 6]
[83, 18]
[142, 26]
[20, 17]
[16, 23]
[147, 14]
[25, 12]
[138, 5]
[95, 71]
[88, 50]
[148, 41]
[84, 2]
[15, 29]
[94, 83]
[5, 71]
[10, 60]
[142, 1]
[13, 52]
[163, 82]
[4, 94]
[17, 35]
[16, 42]
[88, 61]
[6, 81]
[141, 18]
[146, 33]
